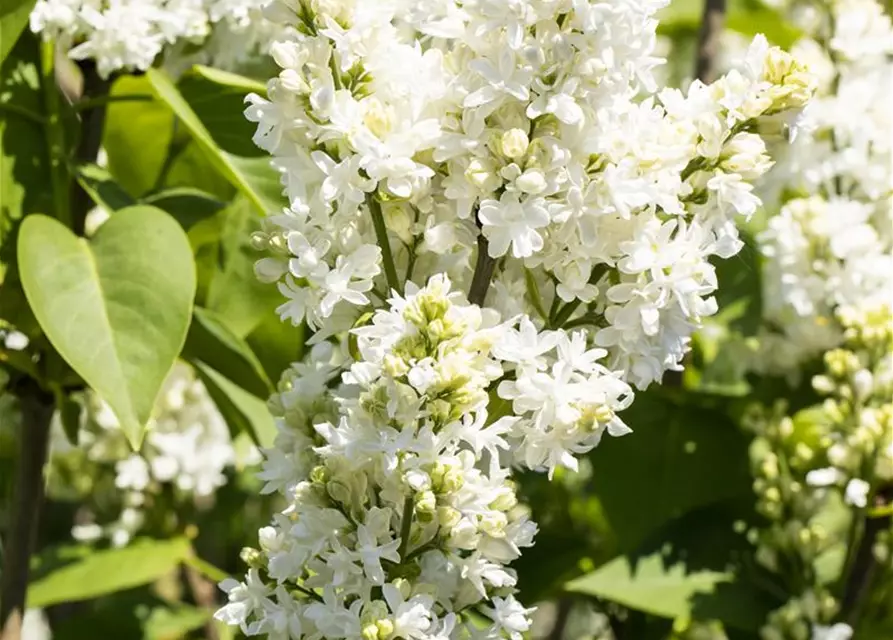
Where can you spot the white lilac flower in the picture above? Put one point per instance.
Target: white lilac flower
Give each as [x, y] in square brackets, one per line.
[839, 631]
[394, 478]
[534, 133]
[519, 152]
[831, 243]
[187, 447]
[127, 35]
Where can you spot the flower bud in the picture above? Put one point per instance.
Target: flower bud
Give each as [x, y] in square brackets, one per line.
[385, 628]
[447, 517]
[505, 501]
[453, 480]
[481, 173]
[339, 491]
[260, 241]
[514, 143]
[269, 269]
[425, 502]
[403, 587]
[253, 558]
[531, 181]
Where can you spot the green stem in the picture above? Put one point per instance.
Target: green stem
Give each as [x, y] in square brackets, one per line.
[564, 314]
[381, 234]
[55, 134]
[405, 527]
[99, 101]
[15, 109]
[176, 146]
[307, 592]
[533, 294]
[582, 321]
[864, 568]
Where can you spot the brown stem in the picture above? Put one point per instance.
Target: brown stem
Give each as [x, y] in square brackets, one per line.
[712, 24]
[483, 268]
[864, 566]
[565, 605]
[37, 410]
[92, 123]
[483, 272]
[204, 595]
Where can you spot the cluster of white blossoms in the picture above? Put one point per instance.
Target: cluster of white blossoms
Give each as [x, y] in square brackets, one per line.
[187, 448]
[496, 228]
[127, 35]
[831, 244]
[536, 122]
[401, 514]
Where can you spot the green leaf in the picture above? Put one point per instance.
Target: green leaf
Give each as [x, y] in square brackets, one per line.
[649, 584]
[218, 100]
[238, 84]
[696, 567]
[228, 282]
[165, 623]
[252, 176]
[277, 344]
[187, 205]
[681, 455]
[13, 19]
[104, 572]
[875, 630]
[136, 136]
[116, 308]
[102, 188]
[191, 168]
[206, 568]
[210, 341]
[242, 411]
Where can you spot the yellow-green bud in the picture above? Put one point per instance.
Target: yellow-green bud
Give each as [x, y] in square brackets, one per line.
[252, 557]
[425, 502]
[514, 143]
[385, 628]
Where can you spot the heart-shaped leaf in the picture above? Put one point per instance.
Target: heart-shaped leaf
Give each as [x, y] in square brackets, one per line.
[117, 308]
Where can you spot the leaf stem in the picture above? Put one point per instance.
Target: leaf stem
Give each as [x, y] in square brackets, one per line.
[381, 234]
[565, 312]
[309, 593]
[533, 294]
[864, 563]
[87, 104]
[55, 134]
[405, 527]
[23, 112]
[37, 407]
